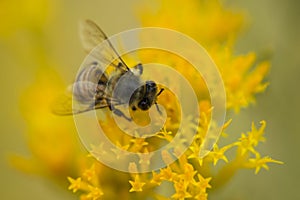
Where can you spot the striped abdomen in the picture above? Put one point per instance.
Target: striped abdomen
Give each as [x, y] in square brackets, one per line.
[90, 84]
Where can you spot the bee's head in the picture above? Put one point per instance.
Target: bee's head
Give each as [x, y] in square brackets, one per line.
[149, 95]
[151, 88]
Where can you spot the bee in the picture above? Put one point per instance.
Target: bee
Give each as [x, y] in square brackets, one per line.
[94, 88]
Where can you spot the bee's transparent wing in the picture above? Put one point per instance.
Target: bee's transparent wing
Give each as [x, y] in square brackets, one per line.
[91, 36]
[67, 104]
[88, 91]
[74, 102]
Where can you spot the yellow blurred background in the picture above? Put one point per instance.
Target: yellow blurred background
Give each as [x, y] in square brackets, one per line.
[28, 26]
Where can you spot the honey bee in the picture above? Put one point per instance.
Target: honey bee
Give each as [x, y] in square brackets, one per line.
[94, 88]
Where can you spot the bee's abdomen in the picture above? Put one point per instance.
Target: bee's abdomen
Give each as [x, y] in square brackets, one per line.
[90, 84]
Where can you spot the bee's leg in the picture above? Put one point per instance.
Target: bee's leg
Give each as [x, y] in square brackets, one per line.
[157, 108]
[138, 69]
[120, 65]
[118, 112]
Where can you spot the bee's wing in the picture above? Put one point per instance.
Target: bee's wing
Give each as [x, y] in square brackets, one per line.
[73, 102]
[67, 105]
[91, 36]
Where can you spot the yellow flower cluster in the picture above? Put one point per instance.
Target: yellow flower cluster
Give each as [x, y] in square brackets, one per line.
[88, 183]
[56, 152]
[243, 78]
[191, 176]
[215, 28]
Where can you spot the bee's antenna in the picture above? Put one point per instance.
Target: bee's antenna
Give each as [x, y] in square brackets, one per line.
[113, 48]
[161, 90]
[123, 62]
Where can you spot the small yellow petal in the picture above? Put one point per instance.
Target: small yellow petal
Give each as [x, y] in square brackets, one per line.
[136, 185]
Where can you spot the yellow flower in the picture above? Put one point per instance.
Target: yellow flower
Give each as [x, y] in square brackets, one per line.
[206, 21]
[156, 178]
[137, 185]
[89, 174]
[181, 190]
[75, 184]
[249, 141]
[95, 193]
[88, 183]
[259, 163]
[55, 150]
[243, 78]
[189, 173]
[201, 196]
[218, 154]
[167, 174]
[203, 183]
[216, 28]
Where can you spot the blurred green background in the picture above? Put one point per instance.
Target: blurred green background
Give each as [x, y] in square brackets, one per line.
[274, 28]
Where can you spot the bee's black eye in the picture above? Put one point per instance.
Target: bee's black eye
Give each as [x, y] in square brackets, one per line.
[144, 104]
[150, 84]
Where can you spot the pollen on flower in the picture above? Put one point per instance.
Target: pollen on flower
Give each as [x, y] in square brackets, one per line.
[136, 185]
[95, 193]
[189, 173]
[181, 190]
[132, 168]
[164, 134]
[138, 144]
[167, 174]
[145, 158]
[89, 173]
[120, 151]
[218, 154]
[156, 178]
[203, 183]
[76, 184]
[201, 196]
[249, 141]
[98, 150]
[259, 163]
[87, 184]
